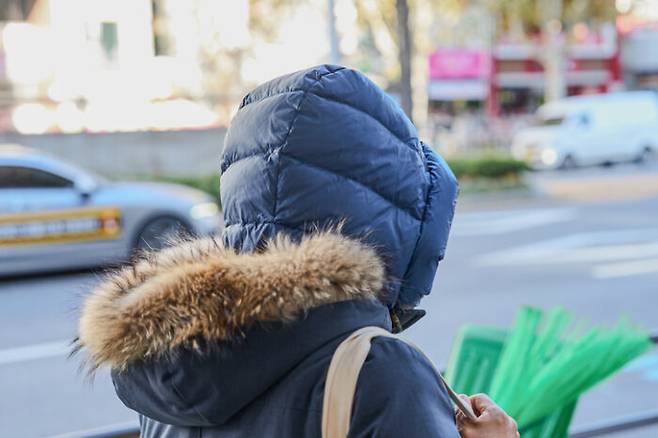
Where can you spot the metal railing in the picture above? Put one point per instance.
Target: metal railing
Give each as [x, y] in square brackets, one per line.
[615, 425]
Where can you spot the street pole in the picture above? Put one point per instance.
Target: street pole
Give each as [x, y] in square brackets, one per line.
[404, 56]
[334, 56]
[554, 62]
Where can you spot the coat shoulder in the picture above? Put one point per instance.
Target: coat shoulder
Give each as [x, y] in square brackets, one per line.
[398, 390]
[394, 363]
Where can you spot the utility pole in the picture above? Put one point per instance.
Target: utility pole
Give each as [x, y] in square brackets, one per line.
[334, 56]
[554, 57]
[404, 55]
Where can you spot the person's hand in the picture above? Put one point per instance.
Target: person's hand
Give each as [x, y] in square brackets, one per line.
[492, 421]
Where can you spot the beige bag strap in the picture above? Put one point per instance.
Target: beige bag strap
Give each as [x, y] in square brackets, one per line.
[343, 374]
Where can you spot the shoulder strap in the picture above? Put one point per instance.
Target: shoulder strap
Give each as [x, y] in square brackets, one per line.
[340, 385]
[343, 374]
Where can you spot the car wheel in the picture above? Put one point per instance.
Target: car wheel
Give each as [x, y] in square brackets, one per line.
[568, 162]
[159, 233]
[647, 154]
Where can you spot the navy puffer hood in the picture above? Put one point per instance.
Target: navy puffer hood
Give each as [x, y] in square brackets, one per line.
[326, 145]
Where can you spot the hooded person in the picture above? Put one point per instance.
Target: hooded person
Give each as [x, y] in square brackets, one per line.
[336, 217]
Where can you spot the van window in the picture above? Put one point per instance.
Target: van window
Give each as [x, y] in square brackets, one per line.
[550, 121]
[583, 119]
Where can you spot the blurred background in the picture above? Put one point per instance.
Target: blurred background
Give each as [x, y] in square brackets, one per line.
[113, 114]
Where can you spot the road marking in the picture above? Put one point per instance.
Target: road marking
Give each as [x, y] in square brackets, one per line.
[646, 366]
[626, 269]
[35, 351]
[580, 247]
[629, 252]
[109, 430]
[591, 254]
[501, 222]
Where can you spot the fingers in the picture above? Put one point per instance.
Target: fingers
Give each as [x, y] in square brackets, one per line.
[461, 416]
[466, 399]
[481, 403]
[492, 420]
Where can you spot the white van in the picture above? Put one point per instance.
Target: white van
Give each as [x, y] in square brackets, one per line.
[592, 129]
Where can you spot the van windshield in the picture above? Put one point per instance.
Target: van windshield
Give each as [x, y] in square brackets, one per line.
[549, 120]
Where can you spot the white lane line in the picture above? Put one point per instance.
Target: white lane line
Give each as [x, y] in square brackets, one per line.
[35, 351]
[625, 269]
[595, 246]
[577, 255]
[612, 252]
[493, 223]
[645, 365]
[108, 430]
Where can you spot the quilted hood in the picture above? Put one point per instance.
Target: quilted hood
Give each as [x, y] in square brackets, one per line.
[326, 145]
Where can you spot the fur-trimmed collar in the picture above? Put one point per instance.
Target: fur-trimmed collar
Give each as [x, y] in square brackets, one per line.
[199, 290]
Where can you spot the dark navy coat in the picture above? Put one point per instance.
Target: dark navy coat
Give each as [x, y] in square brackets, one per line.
[273, 386]
[305, 152]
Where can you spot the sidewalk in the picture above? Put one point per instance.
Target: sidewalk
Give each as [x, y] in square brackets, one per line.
[622, 182]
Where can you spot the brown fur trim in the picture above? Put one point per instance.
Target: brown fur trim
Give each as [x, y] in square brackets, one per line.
[200, 290]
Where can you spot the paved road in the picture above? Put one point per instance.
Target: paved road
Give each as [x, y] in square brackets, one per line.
[597, 259]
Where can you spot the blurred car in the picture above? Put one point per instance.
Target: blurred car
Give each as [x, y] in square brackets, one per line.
[54, 215]
[590, 130]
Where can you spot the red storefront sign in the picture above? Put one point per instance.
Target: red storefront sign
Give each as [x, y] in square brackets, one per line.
[459, 64]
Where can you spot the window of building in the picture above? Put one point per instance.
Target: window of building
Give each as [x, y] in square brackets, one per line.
[109, 39]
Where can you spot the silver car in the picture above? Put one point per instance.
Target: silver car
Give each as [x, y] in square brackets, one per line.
[54, 215]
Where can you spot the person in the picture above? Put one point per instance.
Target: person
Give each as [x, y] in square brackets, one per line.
[336, 217]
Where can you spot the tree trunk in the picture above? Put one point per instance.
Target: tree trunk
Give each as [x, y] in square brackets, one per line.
[334, 46]
[554, 57]
[404, 55]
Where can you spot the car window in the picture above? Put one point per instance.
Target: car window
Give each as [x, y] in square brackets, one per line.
[16, 177]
